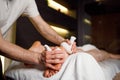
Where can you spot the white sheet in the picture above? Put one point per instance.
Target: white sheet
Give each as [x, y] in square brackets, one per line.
[110, 68]
[79, 66]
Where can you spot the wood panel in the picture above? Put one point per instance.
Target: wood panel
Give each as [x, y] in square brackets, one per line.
[106, 31]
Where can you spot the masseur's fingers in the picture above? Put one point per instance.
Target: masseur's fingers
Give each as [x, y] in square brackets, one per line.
[74, 48]
[55, 61]
[56, 56]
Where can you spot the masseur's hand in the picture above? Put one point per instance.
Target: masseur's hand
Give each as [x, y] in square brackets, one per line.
[56, 56]
[38, 48]
[55, 66]
[47, 57]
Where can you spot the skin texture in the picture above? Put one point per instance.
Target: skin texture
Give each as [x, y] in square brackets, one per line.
[99, 55]
[52, 64]
[50, 72]
[52, 60]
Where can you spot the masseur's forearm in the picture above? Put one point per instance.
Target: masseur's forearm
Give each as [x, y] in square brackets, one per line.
[46, 30]
[51, 35]
[17, 53]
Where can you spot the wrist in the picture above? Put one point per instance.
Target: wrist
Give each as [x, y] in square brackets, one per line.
[64, 40]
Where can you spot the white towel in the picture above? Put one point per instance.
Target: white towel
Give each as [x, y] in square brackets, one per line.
[79, 66]
[110, 68]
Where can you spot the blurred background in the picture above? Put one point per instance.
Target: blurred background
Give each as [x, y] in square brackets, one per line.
[94, 22]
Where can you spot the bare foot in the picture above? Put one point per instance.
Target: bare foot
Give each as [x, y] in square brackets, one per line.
[50, 72]
[36, 47]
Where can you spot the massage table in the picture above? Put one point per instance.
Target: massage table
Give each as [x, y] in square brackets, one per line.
[78, 66]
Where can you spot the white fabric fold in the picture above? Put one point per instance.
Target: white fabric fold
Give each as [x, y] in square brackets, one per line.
[110, 68]
[79, 66]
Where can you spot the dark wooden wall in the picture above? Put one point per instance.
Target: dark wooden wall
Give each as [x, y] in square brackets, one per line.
[105, 28]
[106, 31]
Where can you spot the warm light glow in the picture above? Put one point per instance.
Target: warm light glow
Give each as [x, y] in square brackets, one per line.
[87, 36]
[57, 6]
[99, 0]
[60, 31]
[87, 21]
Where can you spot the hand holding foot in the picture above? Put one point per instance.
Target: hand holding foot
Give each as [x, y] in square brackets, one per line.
[50, 72]
[53, 59]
